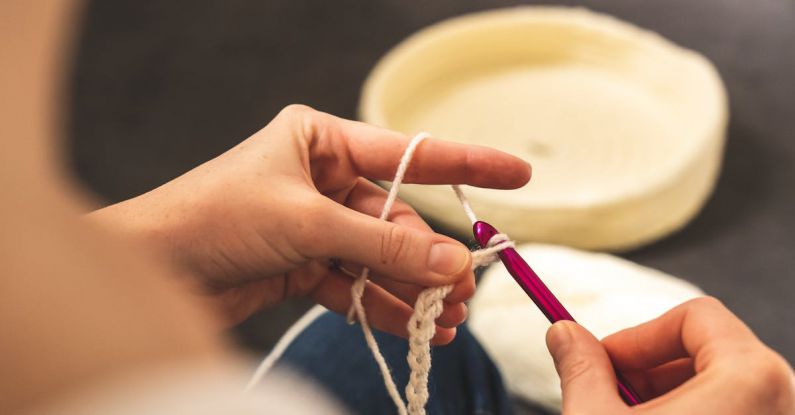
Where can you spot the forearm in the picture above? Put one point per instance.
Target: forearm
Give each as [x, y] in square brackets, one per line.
[77, 305]
[80, 306]
[145, 220]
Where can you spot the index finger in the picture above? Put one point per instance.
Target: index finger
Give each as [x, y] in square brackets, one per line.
[375, 152]
[703, 329]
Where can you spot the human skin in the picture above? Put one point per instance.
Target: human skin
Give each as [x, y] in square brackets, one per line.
[259, 223]
[697, 358]
[127, 290]
[78, 305]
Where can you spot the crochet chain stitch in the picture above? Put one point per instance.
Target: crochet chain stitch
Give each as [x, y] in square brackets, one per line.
[422, 324]
[429, 305]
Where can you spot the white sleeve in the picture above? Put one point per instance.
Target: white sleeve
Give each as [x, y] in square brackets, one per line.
[197, 391]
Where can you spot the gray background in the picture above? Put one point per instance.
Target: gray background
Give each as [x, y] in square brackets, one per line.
[160, 87]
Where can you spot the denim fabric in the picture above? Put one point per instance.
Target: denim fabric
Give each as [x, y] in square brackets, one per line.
[463, 380]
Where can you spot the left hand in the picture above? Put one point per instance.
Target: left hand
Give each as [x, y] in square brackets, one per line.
[258, 223]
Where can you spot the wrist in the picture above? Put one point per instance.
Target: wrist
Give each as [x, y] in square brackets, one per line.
[148, 221]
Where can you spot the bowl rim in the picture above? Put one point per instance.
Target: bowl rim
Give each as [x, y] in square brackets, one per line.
[712, 133]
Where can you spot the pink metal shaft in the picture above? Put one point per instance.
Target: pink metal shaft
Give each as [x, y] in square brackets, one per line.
[540, 294]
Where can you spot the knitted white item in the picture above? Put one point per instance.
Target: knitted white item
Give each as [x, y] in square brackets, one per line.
[603, 292]
[428, 307]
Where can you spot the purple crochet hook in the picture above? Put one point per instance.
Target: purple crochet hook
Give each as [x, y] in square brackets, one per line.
[540, 294]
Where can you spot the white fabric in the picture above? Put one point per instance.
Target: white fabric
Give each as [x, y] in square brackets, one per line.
[604, 293]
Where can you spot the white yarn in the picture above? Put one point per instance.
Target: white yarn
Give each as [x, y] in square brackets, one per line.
[276, 353]
[429, 305]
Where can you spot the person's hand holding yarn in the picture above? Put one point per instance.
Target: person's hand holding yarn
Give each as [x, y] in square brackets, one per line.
[697, 358]
[259, 223]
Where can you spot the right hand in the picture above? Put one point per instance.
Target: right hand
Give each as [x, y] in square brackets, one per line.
[697, 358]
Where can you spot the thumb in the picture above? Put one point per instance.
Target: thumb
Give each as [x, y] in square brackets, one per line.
[586, 375]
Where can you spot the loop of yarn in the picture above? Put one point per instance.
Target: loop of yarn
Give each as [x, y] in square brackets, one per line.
[429, 305]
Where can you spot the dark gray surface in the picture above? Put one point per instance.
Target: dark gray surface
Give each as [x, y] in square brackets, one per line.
[162, 86]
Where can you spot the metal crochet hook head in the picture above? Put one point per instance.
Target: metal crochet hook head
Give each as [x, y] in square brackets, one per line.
[540, 294]
[524, 275]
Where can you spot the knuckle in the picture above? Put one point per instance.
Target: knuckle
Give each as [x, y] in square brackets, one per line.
[775, 374]
[296, 110]
[772, 380]
[707, 356]
[300, 117]
[574, 369]
[401, 208]
[468, 289]
[395, 243]
[707, 302]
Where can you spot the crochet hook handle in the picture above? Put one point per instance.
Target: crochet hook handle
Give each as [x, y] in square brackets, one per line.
[540, 294]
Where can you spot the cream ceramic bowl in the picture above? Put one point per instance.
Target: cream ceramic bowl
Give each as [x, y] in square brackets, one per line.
[623, 128]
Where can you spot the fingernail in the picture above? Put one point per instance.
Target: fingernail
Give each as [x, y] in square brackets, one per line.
[558, 336]
[447, 258]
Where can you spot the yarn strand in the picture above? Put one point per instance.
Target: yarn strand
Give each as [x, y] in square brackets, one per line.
[428, 307]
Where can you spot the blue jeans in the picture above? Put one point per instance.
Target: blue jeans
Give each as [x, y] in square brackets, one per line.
[463, 380]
